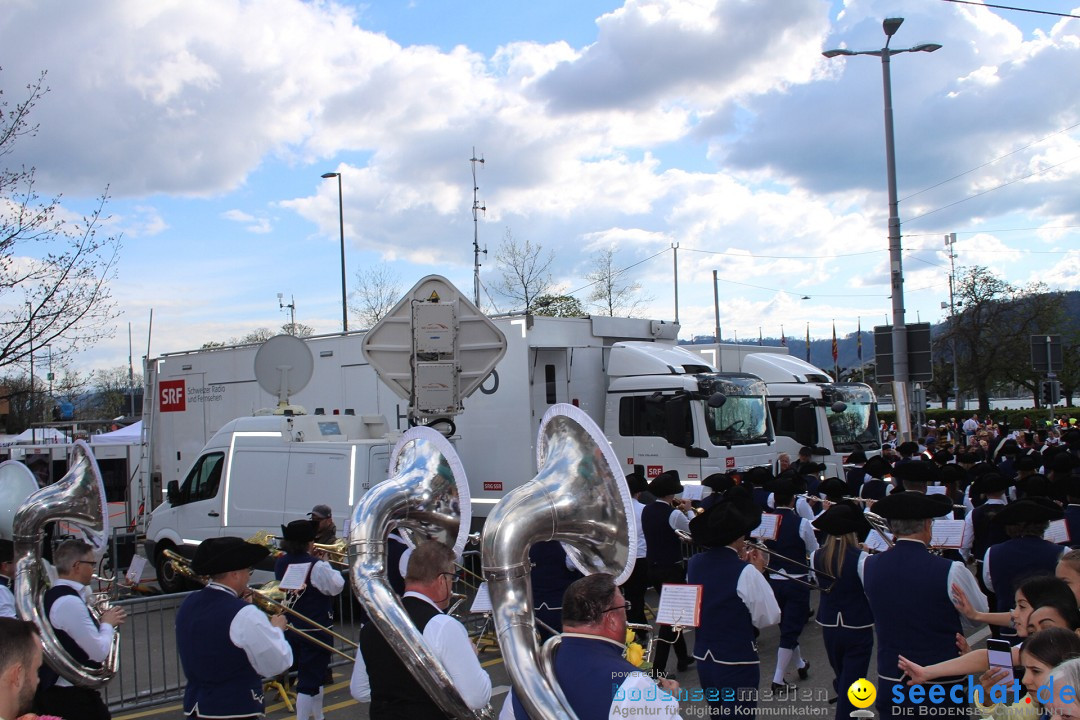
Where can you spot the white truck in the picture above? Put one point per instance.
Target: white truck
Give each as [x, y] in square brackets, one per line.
[808, 408]
[661, 407]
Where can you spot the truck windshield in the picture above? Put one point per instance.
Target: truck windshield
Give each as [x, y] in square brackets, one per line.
[744, 418]
[857, 426]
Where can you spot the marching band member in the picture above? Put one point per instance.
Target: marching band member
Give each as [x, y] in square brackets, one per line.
[314, 601]
[736, 601]
[795, 539]
[638, 583]
[552, 572]
[86, 639]
[379, 675]
[908, 576]
[847, 625]
[660, 520]
[226, 644]
[7, 570]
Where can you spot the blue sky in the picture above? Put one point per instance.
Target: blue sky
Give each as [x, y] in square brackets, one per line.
[716, 124]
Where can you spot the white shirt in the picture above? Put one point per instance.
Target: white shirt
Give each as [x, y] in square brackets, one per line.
[678, 520]
[7, 602]
[326, 579]
[448, 641]
[70, 614]
[758, 597]
[641, 546]
[638, 695]
[263, 644]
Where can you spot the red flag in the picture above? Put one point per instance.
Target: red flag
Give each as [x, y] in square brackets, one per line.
[834, 348]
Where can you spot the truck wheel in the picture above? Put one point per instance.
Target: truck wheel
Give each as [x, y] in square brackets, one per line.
[168, 578]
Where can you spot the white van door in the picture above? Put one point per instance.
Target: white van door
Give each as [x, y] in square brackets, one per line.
[198, 507]
[255, 490]
[317, 476]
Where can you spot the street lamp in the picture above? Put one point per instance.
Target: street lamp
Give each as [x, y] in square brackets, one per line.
[30, 334]
[896, 271]
[341, 224]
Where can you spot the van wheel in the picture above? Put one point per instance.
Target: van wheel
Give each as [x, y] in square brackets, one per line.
[168, 578]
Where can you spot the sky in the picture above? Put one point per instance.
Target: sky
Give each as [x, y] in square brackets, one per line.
[713, 125]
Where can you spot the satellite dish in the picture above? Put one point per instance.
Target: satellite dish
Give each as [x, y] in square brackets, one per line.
[283, 366]
[17, 482]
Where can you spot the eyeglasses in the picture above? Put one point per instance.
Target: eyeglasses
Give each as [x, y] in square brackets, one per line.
[454, 576]
[91, 563]
[625, 606]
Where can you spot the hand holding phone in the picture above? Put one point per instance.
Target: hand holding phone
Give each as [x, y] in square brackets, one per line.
[1000, 655]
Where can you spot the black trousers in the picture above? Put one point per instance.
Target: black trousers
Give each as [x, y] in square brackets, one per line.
[658, 575]
[71, 703]
[634, 591]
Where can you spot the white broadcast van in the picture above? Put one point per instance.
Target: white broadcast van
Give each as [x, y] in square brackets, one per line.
[661, 407]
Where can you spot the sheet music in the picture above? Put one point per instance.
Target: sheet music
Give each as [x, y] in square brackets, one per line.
[875, 541]
[295, 576]
[1058, 532]
[679, 605]
[482, 602]
[692, 492]
[947, 533]
[135, 570]
[935, 490]
[769, 527]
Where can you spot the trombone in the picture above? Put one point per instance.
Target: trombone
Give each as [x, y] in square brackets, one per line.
[881, 525]
[758, 545]
[261, 598]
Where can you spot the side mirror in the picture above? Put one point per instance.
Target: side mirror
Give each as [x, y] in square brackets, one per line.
[696, 452]
[839, 406]
[172, 492]
[717, 400]
[806, 425]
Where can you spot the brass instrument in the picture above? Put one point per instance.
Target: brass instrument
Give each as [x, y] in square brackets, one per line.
[426, 497]
[336, 553]
[263, 598]
[881, 525]
[758, 545]
[579, 498]
[77, 498]
[650, 648]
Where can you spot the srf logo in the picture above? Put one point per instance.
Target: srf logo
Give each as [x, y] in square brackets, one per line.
[171, 396]
[652, 471]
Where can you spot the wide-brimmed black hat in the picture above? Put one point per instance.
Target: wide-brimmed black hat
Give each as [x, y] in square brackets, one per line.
[921, 471]
[218, 555]
[1027, 463]
[842, 519]
[637, 483]
[1029, 510]
[833, 488]
[666, 483]
[719, 482]
[912, 506]
[786, 485]
[857, 457]
[298, 531]
[759, 475]
[991, 482]
[728, 520]
[877, 467]
[953, 473]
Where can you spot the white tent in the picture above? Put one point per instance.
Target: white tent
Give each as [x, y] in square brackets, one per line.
[130, 435]
[40, 435]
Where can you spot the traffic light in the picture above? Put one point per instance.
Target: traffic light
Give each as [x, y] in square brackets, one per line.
[1051, 392]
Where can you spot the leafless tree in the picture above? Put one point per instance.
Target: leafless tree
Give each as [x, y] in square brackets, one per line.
[613, 294]
[525, 270]
[112, 389]
[54, 272]
[378, 289]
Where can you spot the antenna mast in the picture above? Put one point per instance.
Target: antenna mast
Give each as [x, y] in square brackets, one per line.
[477, 208]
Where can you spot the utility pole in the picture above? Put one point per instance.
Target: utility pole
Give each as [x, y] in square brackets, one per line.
[950, 241]
[675, 252]
[477, 208]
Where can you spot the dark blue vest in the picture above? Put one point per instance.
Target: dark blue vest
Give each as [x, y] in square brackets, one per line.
[761, 497]
[589, 671]
[1072, 521]
[395, 693]
[855, 478]
[550, 577]
[788, 542]
[726, 631]
[909, 594]
[220, 681]
[311, 603]
[663, 546]
[985, 532]
[846, 604]
[1013, 561]
[47, 677]
[875, 489]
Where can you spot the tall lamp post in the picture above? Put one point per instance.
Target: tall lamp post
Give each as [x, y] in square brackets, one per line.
[30, 329]
[896, 271]
[341, 224]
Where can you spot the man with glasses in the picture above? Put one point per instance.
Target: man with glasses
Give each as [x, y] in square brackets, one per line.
[379, 675]
[596, 679]
[226, 644]
[85, 638]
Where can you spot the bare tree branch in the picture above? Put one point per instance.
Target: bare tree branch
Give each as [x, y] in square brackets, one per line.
[525, 272]
[378, 289]
[613, 295]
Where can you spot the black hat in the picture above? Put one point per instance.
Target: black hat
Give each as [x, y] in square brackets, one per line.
[1027, 463]
[728, 520]
[719, 482]
[786, 485]
[916, 471]
[298, 531]
[833, 488]
[877, 467]
[1029, 510]
[842, 519]
[953, 473]
[943, 457]
[321, 512]
[760, 475]
[912, 506]
[908, 447]
[1072, 489]
[636, 483]
[666, 483]
[1036, 485]
[7, 550]
[991, 482]
[807, 451]
[857, 457]
[222, 554]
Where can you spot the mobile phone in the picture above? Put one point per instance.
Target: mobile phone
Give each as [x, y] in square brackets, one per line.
[1000, 654]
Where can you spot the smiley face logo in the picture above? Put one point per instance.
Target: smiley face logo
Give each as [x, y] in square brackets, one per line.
[862, 693]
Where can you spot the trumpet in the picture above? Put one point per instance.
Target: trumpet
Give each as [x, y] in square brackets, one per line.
[263, 599]
[336, 553]
[758, 545]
